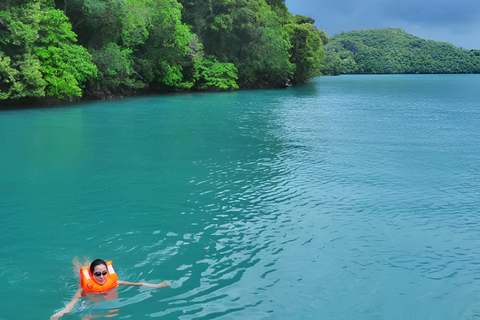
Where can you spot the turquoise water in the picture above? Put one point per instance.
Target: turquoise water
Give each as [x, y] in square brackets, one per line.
[354, 197]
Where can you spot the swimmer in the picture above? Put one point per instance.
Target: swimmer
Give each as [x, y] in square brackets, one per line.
[100, 274]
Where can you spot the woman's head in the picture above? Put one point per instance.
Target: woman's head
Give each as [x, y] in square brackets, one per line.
[98, 269]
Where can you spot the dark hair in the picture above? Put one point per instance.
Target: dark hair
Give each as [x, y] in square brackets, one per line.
[95, 263]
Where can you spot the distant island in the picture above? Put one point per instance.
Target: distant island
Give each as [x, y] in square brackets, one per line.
[65, 50]
[392, 51]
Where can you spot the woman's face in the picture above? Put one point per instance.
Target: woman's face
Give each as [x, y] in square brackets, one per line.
[100, 273]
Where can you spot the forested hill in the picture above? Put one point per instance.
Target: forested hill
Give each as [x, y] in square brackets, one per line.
[69, 49]
[395, 51]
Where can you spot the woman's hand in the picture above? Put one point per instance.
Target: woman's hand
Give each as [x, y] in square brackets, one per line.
[69, 305]
[143, 284]
[57, 315]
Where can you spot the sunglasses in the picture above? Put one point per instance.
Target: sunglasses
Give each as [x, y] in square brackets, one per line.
[98, 273]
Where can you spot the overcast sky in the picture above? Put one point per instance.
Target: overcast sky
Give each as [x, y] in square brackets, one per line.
[454, 21]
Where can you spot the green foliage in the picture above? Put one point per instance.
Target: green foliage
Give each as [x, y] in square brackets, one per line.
[103, 19]
[249, 34]
[55, 28]
[213, 75]
[298, 19]
[167, 46]
[323, 35]
[115, 65]
[65, 66]
[130, 45]
[280, 8]
[135, 24]
[307, 51]
[136, 43]
[395, 51]
[33, 82]
[10, 87]
[41, 57]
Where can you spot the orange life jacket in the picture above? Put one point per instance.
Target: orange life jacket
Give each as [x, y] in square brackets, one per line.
[89, 285]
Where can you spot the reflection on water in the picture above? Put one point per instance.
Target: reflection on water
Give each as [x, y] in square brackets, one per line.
[352, 197]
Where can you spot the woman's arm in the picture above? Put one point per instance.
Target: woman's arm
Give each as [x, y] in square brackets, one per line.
[69, 305]
[142, 284]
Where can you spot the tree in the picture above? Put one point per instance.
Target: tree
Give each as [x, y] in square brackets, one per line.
[10, 87]
[307, 51]
[42, 57]
[167, 45]
[64, 65]
[213, 75]
[250, 35]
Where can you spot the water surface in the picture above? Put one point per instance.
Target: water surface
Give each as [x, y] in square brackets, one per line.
[354, 197]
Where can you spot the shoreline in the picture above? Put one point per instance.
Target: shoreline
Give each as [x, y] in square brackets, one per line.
[51, 102]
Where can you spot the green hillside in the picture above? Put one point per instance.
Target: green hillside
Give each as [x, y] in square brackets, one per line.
[386, 51]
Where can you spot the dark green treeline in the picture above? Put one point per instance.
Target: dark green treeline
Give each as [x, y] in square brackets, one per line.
[100, 48]
[390, 51]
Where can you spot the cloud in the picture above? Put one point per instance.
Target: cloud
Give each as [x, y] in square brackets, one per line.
[443, 13]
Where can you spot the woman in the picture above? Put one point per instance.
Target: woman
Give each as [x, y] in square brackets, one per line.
[100, 278]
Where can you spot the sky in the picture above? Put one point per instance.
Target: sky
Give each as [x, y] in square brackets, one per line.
[454, 21]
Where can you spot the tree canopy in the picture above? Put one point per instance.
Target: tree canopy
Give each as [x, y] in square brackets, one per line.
[100, 48]
[38, 54]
